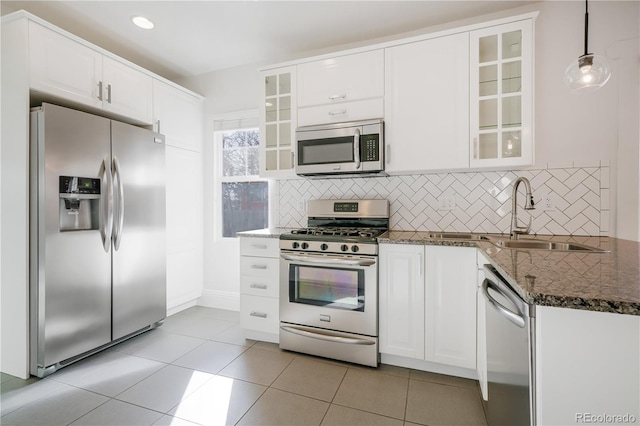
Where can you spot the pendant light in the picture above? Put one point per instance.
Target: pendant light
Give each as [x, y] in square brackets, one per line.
[590, 72]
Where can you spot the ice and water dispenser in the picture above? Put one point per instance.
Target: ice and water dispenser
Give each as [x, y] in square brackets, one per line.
[79, 203]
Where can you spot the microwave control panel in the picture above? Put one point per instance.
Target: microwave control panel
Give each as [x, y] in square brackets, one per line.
[369, 147]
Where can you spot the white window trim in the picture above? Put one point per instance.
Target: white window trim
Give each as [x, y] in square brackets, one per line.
[227, 123]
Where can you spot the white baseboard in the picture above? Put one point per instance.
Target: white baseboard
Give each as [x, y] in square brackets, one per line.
[433, 367]
[181, 307]
[220, 299]
[261, 336]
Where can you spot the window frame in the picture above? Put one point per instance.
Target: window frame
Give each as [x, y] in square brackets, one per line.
[231, 124]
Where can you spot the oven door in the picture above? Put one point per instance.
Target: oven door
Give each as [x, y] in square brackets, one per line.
[333, 292]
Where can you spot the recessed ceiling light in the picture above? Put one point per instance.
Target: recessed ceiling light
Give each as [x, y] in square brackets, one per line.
[142, 22]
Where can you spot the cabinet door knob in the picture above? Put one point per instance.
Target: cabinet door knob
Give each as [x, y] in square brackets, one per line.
[336, 97]
[258, 314]
[100, 90]
[475, 148]
[339, 112]
[109, 93]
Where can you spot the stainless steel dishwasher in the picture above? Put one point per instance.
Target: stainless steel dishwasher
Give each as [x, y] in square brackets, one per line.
[510, 323]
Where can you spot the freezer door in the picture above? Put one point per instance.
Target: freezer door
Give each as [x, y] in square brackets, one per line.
[70, 279]
[139, 248]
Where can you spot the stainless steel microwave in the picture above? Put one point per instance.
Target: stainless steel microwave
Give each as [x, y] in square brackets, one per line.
[340, 148]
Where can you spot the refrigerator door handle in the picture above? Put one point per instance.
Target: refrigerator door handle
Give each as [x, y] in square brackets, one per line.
[106, 195]
[119, 220]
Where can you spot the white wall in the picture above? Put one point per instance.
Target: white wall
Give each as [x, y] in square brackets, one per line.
[598, 126]
[570, 130]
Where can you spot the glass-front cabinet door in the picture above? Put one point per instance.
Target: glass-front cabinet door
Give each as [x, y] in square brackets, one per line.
[277, 122]
[501, 94]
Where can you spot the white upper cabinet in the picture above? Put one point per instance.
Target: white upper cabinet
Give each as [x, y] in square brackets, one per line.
[336, 89]
[177, 114]
[341, 79]
[62, 67]
[427, 105]
[501, 81]
[67, 69]
[277, 122]
[126, 91]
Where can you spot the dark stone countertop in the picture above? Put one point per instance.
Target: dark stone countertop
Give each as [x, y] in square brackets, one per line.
[606, 282]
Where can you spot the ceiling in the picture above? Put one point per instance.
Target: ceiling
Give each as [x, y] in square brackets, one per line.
[196, 37]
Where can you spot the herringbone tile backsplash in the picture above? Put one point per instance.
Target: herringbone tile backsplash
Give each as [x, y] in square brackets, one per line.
[569, 201]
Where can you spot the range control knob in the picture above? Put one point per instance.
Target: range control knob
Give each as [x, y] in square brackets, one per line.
[295, 245]
[304, 246]
[324, 246]
[355, 248]
[344, 247]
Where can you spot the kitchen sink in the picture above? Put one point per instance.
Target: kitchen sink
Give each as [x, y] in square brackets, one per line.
[546, 245]
[457, 236]
[518, 244]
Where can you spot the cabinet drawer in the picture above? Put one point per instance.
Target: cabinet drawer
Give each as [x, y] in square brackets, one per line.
[259, 313]
[341, 79]
[264, 247]
[261, 267]
[345, 111]
[266, 286]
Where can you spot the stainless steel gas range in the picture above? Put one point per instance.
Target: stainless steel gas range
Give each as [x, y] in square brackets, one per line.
[329, 281]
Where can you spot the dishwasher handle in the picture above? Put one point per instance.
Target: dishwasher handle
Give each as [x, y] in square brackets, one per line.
[513, 317]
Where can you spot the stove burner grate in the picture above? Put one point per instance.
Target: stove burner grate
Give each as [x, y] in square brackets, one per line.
[338, 232]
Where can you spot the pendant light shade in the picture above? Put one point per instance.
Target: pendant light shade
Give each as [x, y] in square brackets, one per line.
[589, 72]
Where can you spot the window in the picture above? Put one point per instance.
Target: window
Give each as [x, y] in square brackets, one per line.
[244, 196]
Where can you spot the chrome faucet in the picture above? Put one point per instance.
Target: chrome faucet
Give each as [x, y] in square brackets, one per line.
[528, 205]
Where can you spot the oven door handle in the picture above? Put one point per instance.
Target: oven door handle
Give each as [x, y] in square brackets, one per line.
[328, 261]
[327, 337]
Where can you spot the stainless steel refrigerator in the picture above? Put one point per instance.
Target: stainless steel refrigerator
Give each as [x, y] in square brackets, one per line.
[97, 234]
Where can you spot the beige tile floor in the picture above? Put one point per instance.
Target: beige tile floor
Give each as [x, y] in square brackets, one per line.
[197, 369]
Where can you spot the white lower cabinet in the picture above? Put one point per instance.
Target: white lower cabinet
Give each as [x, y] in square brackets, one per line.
[587, 367]
[428, 305]
[450, 315]
[259, 282]
[401, 300]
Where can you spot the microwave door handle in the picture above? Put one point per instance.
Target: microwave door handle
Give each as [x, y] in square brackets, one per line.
[356, 148]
